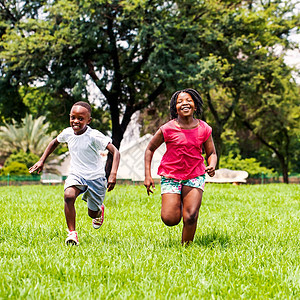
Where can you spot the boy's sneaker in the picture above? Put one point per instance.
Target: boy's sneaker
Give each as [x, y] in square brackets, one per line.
[72, 238]
[97, 222]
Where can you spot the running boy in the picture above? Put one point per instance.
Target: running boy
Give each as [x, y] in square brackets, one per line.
[87, 173]
[182, 167]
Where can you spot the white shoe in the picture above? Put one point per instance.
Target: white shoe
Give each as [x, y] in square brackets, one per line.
[72, 238]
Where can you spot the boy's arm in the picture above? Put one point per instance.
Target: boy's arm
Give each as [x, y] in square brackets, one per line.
[40, 164]
[154, 143]
[211, 156]
[114, 168]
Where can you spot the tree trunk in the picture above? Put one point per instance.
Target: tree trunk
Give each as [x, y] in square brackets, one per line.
[218, 143]
[117, 137]
[284, 168]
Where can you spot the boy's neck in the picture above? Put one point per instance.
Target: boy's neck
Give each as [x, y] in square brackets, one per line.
[81, 131]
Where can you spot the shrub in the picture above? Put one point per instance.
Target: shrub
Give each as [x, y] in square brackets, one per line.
[28, 159]
[15, 168]
[251, 165]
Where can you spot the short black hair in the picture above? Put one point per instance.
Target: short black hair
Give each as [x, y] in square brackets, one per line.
[196, 98]
[84, 104]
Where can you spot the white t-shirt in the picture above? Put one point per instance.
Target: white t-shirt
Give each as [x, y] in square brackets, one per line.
[85, 152]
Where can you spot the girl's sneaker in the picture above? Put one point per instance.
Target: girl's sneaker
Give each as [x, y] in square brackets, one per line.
[97, 222]
[72, 238]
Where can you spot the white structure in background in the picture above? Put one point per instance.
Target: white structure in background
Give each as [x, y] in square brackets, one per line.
[132, 152]
[132, 159]
[132, 133]
[226, 175]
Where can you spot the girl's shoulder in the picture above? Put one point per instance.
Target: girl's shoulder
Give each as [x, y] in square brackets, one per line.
[203, 124]
[205, 129]
[170, 123]
[168, 126]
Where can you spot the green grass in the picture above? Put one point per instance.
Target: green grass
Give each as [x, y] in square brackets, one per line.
[247, 246]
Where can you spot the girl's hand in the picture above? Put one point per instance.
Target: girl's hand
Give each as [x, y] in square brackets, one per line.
[148, 183]
[210, 170]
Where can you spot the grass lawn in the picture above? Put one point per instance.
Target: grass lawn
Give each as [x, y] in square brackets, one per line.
[247, 245]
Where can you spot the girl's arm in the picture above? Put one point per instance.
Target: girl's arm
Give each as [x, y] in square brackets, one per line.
[211, 156]
[154, 143]
[112, 179]
[40, 164]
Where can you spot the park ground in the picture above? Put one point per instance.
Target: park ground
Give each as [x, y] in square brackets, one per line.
[246, 246]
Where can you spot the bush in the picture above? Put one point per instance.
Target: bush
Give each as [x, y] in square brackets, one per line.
[28, 159]
[251, 165]
[15, 168]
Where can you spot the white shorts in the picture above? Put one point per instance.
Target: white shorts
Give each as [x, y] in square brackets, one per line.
[93, 190]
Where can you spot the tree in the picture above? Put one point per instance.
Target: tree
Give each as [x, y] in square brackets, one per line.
[115, 44]
[31, 136]
[136, 51]
[237, 49]
[11, 13]
[274, 116]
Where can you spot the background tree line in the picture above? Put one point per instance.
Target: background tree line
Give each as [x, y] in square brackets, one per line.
[135, 54]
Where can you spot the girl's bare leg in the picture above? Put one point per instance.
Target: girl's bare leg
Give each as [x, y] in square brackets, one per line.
[191, 198]
[171, 209]
[71, 193]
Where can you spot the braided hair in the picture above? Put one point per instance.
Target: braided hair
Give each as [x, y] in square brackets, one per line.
[196, 98]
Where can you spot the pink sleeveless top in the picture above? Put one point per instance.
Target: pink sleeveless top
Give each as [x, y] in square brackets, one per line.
[183, 158]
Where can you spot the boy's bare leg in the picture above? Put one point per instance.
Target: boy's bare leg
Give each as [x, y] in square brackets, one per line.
[71, 193]
[94, 214]
[192, 198]
[171, 209]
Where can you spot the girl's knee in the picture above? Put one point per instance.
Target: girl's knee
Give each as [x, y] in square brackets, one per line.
[190, 219]
[171, 220]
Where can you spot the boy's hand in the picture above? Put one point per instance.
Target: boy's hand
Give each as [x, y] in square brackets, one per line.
[210, 170]
[148, 183]
[37, 167]
[111, 182]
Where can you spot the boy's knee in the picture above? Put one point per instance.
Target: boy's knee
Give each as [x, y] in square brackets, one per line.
[69, 197]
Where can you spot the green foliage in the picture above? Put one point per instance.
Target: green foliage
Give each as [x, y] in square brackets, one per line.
[70, 45]
[29, 159]
[251, 165]
[246, 246]
[30, 136]
[11, 104]
[136, 53]
[15, 168]
[241, 74]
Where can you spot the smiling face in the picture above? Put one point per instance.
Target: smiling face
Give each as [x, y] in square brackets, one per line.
[185, 105]
[79, 119]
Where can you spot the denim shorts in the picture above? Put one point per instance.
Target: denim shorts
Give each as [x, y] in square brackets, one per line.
[93, 190]
[174, 186]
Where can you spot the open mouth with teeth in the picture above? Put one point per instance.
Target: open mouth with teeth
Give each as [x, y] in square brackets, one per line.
[76, 127]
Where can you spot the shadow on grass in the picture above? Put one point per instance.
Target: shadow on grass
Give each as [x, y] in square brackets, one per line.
[213, 240]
